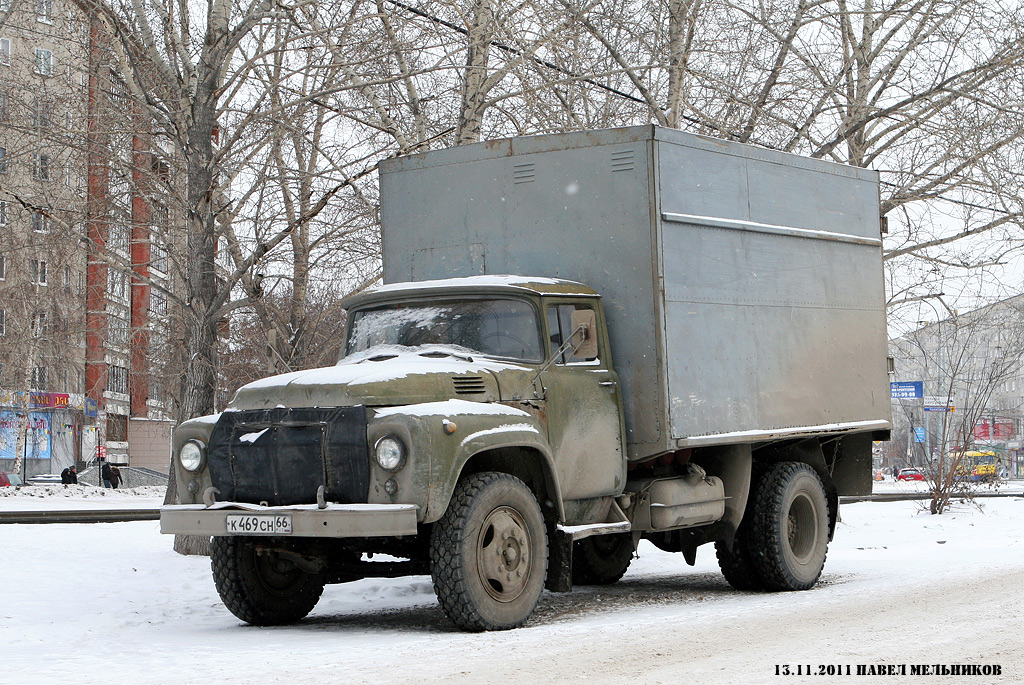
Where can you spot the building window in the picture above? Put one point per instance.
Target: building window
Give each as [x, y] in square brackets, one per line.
[117, 381]
[117, 284]
[120, 334]
[39, 378]
[5, 51]
[40, 221]
[117, 428]
[44, 10]
[39, 271]
[3, 268]
[159, 255]
[3, 322]
[3, 160]
[157, 302]
[120, 237]
[3, 212]
[44, 62]
[38, 324]
[41, 167]
[42, 118]
[67, 279]
[4, 106]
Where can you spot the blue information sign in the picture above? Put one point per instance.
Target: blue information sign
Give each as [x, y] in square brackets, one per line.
[919, 435]
[906, 390]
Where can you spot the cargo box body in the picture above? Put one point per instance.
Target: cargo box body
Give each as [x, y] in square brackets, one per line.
[742, 287]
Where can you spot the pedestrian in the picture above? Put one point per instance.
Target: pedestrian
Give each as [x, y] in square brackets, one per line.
[107, 475]
[115, 476]
[68, 476]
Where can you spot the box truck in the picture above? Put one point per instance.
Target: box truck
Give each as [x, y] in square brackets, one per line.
[583, 340]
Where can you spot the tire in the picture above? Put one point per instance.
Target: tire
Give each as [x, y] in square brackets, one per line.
[736, 563]
[601, 559]
[489, 553]
[261, 588]
[735, 559]
[789, 527]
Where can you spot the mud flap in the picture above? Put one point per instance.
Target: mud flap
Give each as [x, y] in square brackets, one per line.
[559, 561]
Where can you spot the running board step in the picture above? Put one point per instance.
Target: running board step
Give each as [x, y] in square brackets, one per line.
[620, 525]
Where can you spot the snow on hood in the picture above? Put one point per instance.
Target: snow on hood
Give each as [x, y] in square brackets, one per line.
[370, 377]
[453, 408]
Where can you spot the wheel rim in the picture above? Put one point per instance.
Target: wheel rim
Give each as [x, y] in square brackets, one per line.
[504, 554]
[802, 528]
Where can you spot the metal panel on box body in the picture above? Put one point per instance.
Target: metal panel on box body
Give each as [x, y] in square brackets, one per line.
[775, 316]
[574, 206]
[718, 178]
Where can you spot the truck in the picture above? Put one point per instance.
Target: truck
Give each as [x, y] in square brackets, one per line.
[582, 341]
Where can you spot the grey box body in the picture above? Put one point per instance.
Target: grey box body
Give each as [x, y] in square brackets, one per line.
[742, 287]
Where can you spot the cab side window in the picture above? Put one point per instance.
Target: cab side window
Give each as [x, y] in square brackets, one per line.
[560, 328]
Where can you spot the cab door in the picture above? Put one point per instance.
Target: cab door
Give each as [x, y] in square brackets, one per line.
[583, 406]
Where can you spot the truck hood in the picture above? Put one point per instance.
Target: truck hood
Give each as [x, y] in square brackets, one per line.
[382, 376]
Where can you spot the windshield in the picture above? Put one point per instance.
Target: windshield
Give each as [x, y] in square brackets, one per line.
[498, 328]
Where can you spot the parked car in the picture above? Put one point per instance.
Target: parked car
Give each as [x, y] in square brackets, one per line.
[10, 479]
[910, 474]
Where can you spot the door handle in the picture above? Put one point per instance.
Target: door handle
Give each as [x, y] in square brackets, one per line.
[608, 384]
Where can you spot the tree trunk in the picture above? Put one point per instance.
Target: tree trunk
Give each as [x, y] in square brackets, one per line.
[471, 112]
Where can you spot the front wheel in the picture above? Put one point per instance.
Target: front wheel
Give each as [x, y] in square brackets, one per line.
[489, 553]
[789, 529]
[260, 586]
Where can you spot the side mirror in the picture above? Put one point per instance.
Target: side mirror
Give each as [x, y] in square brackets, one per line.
[585, 319]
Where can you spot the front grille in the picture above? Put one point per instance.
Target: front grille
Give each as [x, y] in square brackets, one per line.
[469, 385]
[282, 456]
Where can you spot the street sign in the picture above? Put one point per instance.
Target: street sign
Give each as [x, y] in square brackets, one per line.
[938, 403]
[906, 390]
[919, 435]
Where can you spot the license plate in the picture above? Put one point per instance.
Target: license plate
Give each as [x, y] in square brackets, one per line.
[258, 524]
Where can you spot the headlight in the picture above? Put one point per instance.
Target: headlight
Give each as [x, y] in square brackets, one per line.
[390, 453]
[191, 455]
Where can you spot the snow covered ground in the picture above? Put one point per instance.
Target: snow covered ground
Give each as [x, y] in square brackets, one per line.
[111, 603]
[37, 497]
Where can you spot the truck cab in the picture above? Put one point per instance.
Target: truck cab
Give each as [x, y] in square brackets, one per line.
[438, 382]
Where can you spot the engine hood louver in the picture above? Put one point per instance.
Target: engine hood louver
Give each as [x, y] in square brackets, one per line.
[469, 385]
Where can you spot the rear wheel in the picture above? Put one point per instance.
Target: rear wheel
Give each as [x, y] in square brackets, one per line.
[789, 527]
[601, 559]
[489, 553]
[736, 564]
[260, 586]
[734, 558]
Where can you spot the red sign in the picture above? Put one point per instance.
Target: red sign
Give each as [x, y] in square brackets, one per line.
[999, 429]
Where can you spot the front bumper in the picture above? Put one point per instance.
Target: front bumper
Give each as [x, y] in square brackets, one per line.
[307, 520]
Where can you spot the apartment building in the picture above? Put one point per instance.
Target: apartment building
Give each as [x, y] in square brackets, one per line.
[971, 369]
[83, 251]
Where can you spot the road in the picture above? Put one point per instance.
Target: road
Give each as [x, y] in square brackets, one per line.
[110, 603]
